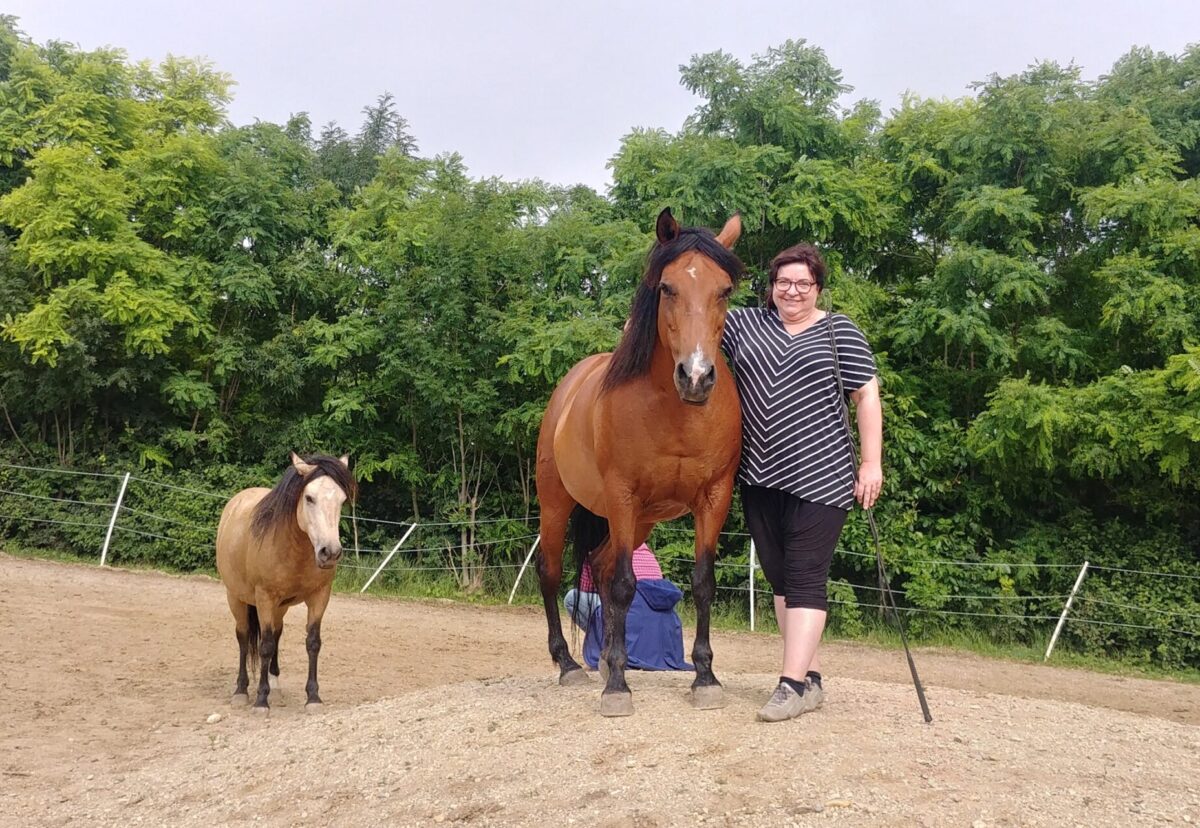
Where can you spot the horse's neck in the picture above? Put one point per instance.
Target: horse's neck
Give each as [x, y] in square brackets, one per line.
[662, 367]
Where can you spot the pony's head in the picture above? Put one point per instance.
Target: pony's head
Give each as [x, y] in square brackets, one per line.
[312, 491]
[681, 304]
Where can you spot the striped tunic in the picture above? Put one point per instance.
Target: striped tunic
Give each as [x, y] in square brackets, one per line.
[792, 433]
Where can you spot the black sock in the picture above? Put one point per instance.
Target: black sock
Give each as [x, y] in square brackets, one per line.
[798, 686]
[814, 677]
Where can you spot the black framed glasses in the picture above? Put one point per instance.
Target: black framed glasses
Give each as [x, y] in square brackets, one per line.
[801, 286]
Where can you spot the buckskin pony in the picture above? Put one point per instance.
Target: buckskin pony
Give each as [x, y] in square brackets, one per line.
[275, 548]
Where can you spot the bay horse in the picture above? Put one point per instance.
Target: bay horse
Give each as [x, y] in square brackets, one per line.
[275, 548]
[646, 433]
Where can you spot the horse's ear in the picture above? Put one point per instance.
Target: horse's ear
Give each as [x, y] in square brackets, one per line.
[666, 227]
[345, 460]
[731, 231]
[302, 468]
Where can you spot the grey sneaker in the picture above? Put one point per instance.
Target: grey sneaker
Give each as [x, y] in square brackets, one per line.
[814, 695]
[785, 703]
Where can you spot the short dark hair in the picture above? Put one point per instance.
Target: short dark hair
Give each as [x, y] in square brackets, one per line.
[802, 253]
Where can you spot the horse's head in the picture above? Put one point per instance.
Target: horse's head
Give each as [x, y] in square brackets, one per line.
[319, 509]
[693, 296]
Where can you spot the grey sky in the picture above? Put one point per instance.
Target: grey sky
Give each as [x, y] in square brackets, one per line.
[546, 89]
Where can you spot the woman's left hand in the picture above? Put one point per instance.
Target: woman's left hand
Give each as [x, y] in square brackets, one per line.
[870, 484]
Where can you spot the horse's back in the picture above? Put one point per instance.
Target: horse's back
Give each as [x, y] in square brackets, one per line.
[235, 539]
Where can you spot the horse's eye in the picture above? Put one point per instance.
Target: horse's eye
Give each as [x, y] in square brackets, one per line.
[725, 294]
[310, 499]
[666, 290]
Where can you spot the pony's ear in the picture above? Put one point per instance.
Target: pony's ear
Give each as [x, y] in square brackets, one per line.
[302, 468]
[666, 227]
[345, 460]
[731, 231]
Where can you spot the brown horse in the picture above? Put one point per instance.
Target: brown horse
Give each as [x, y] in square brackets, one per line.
[647, 433]
[275, 548]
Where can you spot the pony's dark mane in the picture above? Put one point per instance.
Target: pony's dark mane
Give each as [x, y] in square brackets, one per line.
[279, 506]
[632, 357]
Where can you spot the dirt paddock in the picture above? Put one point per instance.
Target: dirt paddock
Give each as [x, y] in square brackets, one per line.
[442, 713]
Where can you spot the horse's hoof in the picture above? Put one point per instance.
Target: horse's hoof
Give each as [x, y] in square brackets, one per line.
[313, 707]
[263, 711]
[616, 704]
[574, 678]
[239, 700]
[273, 681]
[708, 697]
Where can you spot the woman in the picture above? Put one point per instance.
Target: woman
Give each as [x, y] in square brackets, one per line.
[797, 474]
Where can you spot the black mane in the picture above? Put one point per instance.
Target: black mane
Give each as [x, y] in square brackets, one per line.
[632, 357]
[279, 506]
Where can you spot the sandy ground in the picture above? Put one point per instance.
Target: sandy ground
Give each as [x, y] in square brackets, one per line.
[440, 713]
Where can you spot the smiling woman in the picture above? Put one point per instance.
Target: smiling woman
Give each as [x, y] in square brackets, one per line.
[797, 473]
[275, 548]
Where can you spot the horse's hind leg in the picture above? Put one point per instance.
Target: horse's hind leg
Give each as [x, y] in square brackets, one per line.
[556, 506]
[273, 674]
[316, 610]
[267, 647]
[241, 621]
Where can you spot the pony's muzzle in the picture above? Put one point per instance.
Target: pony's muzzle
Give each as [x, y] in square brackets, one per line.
[329, 555]
[694, 379]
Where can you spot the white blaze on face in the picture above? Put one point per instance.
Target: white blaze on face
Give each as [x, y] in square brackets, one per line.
[692, 271]
[697, 364]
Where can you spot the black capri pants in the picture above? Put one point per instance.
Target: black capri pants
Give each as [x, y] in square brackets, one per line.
[794, 540]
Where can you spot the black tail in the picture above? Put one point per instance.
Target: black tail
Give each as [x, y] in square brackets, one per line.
[255, 632]
[588, 533]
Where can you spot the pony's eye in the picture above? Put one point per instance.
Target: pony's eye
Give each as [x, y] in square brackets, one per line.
[666, 290]
[310, 499]
[725, 294]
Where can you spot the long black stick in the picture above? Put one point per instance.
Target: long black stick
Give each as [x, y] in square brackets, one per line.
[885, 586]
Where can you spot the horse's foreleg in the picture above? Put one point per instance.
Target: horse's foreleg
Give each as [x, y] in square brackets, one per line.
[706, 690]
[617, 700]
[267, 647]
[316, 610]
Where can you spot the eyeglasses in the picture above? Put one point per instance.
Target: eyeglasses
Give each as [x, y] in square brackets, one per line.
[802, 287]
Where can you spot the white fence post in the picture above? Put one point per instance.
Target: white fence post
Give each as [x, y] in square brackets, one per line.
[395, 548]
[1063, 618]
[528, 557]
[113, 521]
[751, 585]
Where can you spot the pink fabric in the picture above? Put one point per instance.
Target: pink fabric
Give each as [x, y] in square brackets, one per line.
[645, 566]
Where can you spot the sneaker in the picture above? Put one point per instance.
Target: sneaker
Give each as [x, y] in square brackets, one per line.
[814, 695]
[785, 703]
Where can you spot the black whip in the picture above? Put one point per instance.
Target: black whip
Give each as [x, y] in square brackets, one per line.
[885, 586]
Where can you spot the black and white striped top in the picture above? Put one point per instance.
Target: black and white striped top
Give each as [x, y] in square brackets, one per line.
[792, 433]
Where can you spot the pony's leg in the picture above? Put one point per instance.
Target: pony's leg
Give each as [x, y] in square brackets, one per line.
[556, 506]
[617, 700]
[267, 609]
[273, 674]
[316, 610]
[241, 621]
[707, 692]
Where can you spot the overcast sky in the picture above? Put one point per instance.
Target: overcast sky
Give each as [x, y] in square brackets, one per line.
[547, 89]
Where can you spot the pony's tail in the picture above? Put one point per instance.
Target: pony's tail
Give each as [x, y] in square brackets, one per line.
[253, 635]
[588, 533]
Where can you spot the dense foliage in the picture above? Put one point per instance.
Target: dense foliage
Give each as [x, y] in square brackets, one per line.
[191, 300]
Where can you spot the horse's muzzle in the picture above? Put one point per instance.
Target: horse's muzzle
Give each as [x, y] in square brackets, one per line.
[694, 380]
[328, 556]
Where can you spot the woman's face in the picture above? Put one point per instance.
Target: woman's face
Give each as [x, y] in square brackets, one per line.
[795, 291]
